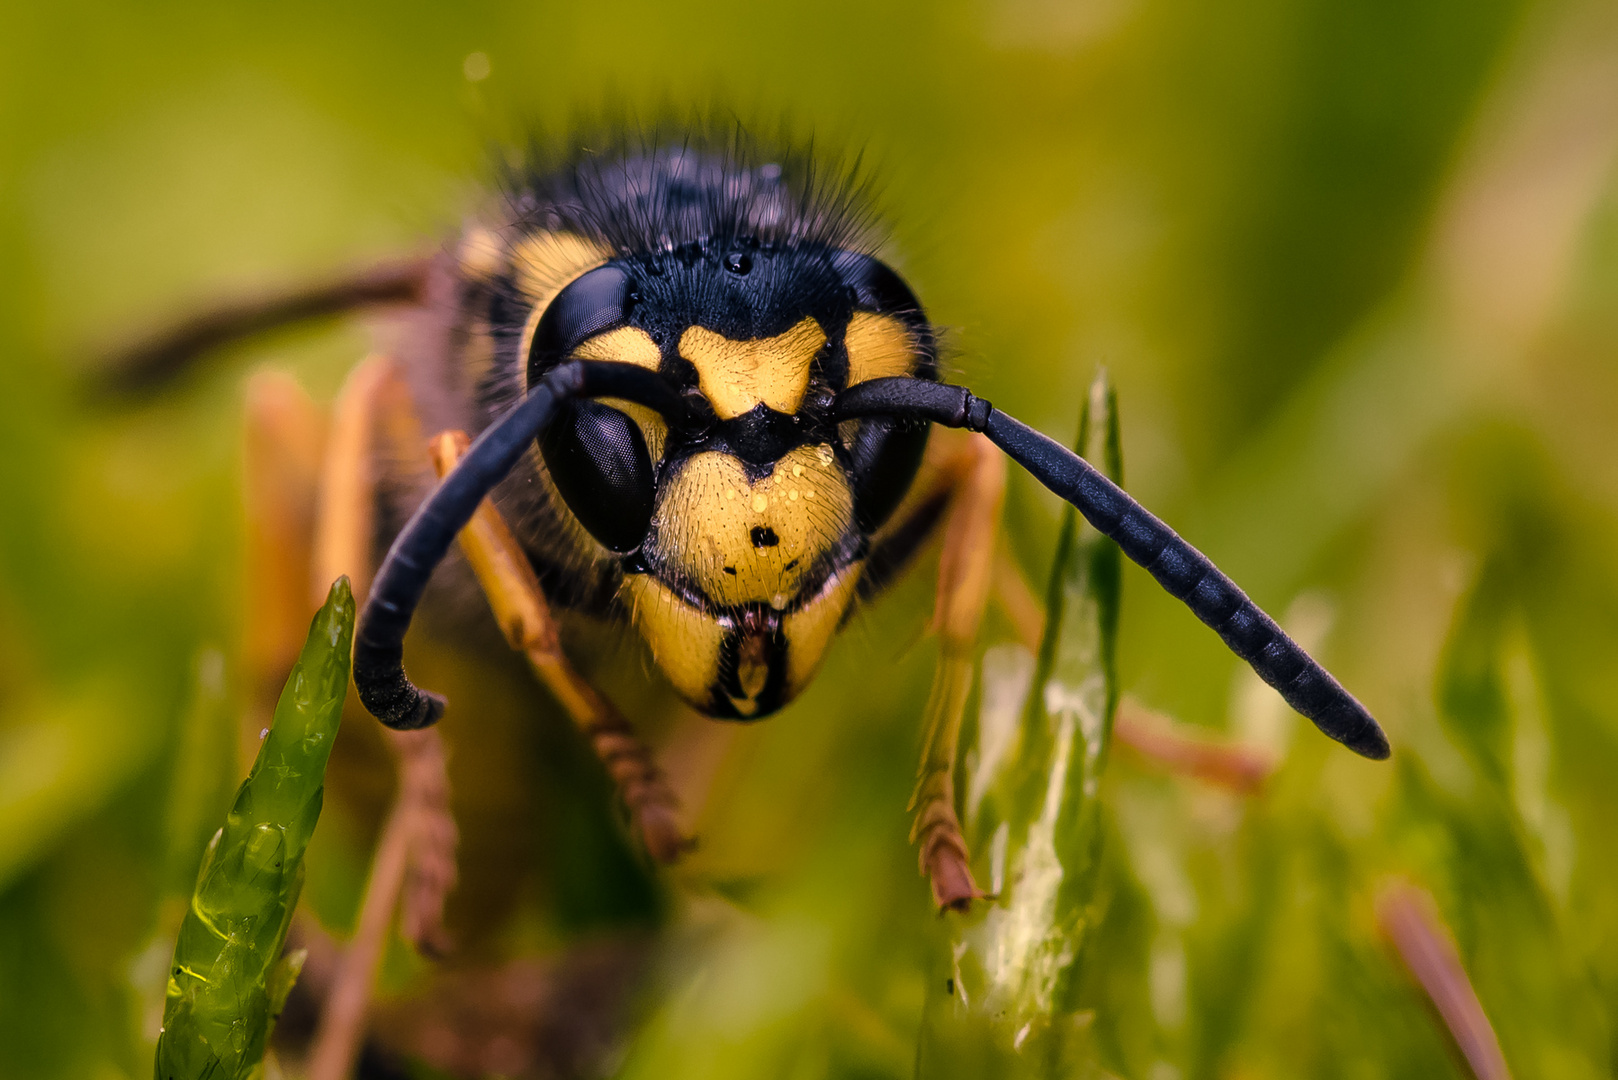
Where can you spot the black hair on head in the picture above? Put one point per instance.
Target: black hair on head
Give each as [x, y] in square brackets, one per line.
[642, 188]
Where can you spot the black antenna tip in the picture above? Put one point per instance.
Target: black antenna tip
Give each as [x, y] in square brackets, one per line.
[1371, 743]
[423, 710]
[1349, 723]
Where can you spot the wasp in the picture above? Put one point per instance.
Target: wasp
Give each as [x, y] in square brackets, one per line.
[697, 400]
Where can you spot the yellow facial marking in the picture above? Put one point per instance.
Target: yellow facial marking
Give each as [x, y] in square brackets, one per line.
[738, 375]
[546, 263]
[756, 548]
[878, 346]
[684, 642]
[809, 629]
[625, 345]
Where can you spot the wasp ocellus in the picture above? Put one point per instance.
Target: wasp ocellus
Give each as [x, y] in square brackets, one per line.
[697, 401]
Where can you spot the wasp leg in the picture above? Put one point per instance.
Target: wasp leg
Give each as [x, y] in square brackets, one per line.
[413, 837]
[284, 435]
[1016, 599]
[413, 867]
[156, 361]
[374, 410]
[514, 595]
[966, 491]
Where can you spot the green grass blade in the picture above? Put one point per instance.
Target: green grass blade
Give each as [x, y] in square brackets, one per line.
[1033, 813]
[221, 1002]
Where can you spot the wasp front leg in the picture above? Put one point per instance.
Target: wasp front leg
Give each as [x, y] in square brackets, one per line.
[966, 494]
[514, 595]
[284, 438]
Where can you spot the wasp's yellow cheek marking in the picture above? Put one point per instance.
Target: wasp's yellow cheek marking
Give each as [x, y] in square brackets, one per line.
[742, 541]
[684, 642]
[809, 629]
[738, 375]
[878, 346]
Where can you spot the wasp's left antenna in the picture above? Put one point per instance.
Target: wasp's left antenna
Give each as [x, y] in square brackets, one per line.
[379, 676]
[1187, 574]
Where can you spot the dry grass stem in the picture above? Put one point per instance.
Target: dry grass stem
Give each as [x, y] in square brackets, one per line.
[1162, 742]
[1409, 918]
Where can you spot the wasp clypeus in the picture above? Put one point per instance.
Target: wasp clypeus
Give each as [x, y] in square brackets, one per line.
[700, 403]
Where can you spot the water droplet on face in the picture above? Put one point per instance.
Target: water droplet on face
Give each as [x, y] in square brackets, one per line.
[797, 470]
[759, 503]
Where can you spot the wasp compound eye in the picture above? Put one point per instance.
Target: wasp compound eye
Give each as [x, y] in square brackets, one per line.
[884, 457]
[598, 301]
[888, 335]
[598, 460]
[874, 286]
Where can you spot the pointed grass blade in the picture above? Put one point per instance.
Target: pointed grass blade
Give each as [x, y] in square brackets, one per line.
[227, 979]
[1033, 814]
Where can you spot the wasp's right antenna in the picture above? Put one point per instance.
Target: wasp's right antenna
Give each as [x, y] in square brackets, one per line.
[1187, 574]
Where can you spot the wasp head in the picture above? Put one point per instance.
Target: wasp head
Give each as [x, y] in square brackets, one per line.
[741, 530]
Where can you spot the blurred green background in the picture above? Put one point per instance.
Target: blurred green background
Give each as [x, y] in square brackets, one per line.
[1353, 268]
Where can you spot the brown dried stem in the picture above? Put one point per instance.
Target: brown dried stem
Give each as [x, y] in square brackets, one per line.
[1185, 751]
[1409, 918]
[415, 825]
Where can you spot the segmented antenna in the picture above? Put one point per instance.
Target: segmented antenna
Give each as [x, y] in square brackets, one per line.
[1187, 574]
[379, 675]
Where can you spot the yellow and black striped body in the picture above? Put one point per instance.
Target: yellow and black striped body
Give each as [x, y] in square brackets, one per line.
[736, 548]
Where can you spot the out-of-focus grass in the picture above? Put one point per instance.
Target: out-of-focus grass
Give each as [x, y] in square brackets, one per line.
[1354, 269]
